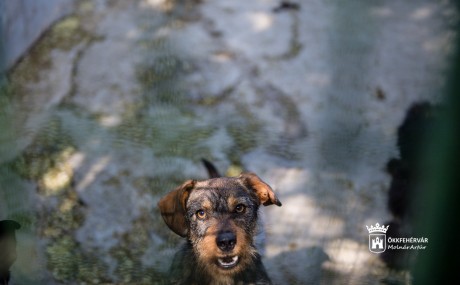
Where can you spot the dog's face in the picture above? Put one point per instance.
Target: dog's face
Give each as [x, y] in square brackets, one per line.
[222, 217]
[219, 218]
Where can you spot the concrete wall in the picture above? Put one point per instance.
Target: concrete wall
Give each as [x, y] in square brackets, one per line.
[22, 23]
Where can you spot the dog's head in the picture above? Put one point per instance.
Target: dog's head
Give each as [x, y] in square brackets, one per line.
[219, 217]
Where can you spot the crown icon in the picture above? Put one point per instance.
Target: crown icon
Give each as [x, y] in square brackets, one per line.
[377, 228]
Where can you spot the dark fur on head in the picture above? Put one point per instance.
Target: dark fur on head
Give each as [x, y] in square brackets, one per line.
[218, 217]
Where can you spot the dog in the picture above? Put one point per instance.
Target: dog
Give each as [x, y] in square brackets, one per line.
[218, 217]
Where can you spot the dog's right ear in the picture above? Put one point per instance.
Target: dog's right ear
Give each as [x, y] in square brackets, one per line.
[172, 208]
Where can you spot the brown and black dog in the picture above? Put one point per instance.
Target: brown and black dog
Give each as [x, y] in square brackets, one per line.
[218, 217]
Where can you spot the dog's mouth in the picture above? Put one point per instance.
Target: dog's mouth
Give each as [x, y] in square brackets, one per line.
[227, 262]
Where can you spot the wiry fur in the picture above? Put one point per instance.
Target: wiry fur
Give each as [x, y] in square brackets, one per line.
[205, 211]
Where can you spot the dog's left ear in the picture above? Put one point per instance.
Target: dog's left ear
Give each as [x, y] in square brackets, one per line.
[263, 191]
[172, 208]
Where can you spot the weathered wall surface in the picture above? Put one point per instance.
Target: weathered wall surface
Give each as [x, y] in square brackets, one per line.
[22, 23]
[116, 105]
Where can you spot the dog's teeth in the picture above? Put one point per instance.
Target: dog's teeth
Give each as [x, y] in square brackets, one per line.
[225, 263]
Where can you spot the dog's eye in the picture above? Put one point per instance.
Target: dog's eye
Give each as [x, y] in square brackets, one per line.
[240, 208]
[201, 214]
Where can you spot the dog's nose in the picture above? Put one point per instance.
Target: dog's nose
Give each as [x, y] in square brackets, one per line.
[226, 241]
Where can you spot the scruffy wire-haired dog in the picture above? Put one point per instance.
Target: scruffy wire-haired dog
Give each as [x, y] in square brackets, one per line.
[218, 218]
